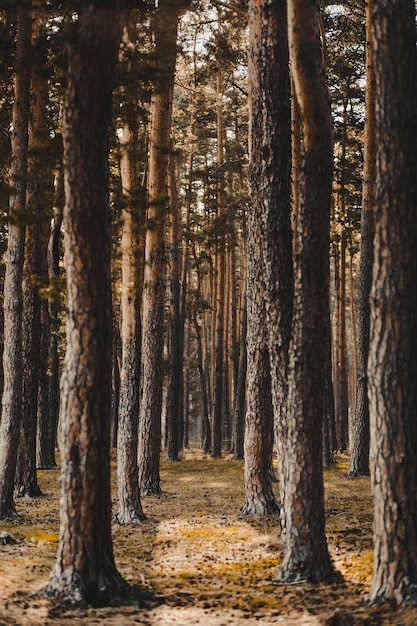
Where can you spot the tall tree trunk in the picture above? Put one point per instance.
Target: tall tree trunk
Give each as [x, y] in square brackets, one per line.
[259, 429]
[176, 356]
[342, 405]
[272, 116]
[85, 571]
[48, 419]
[154, 282]
[130, 507]
[13, 297]
[240, 392]
[38, 178]
[359, 460]
[306, 556]
[221, 280]
[392, 364]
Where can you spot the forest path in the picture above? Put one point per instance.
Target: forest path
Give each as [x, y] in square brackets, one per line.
[208, 565]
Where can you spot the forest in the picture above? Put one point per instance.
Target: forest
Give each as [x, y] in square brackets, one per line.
[209, 282]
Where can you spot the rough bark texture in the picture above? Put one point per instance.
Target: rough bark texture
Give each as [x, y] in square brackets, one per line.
[154, 282]
[271, 120]
[342, 398]
[219, 327]
[240, 392]
[205, 422]
[12, 352]
[359, 459]
[48, 417]
[392, 365]
[259, 413]
[176, 355]
[85, 571]
[306, 556]
[26, 478]
[130, 507]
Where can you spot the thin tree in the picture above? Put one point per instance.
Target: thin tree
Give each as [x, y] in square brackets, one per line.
[259, 422]
[176, 345]
[274, 113]
[13, 296]
[35, 254]
[306, 555]
[165, 23]
[130, 507]
[392, 365]
[85, 571]
[359, 460]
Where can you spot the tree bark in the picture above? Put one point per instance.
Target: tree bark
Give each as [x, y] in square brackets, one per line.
[130, 507]
[259, 429]
[392, 364]
[85, 571]
[176, 355]
[306, 556]
[271, 111]
[240, 393]
[48, 418]
[26, 482]
[219, 329]
[359, 460]
[154, 281]
[13, 297]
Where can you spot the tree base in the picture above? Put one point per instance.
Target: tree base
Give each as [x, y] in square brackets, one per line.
[405, 595]
[131, 516]
[8, 511]
[318, 570]
[152, 489]
[28, 490]
[111, 591]
[261, 506]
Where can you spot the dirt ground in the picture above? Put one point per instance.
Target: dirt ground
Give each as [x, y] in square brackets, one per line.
[206, 565]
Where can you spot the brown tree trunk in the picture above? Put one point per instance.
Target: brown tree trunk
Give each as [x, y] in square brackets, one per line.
[219, 364]
[342, 405]
[359, 460]
[240, 392]
[306, 556]
[154, 282]
[26, 482]
[206, 432]
[48, 418]
[130, 507]
[12, 352]
[392, 364]
[272, 118]
[176, 356]
[259, 429]
[85, 571]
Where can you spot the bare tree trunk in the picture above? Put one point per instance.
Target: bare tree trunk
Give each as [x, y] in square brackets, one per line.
[130, 507]
[259, 427]
[13, 297]
[176, 356]
[306, 555]
[48, 419]
[26, 482]
[359, 460]
[392, 364]
[240, 393]
[85, 571]
[342, 405]
[154, 281]
[221, 282]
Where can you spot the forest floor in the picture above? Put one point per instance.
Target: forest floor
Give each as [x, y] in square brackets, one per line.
[207, 565]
